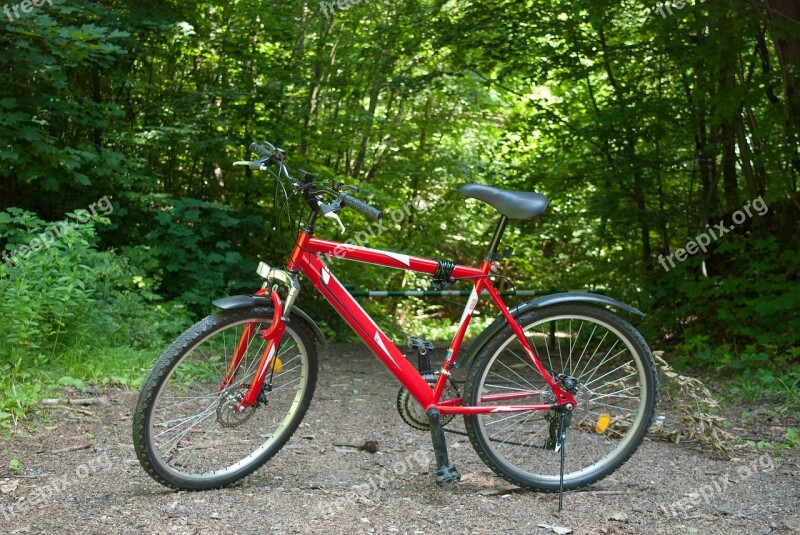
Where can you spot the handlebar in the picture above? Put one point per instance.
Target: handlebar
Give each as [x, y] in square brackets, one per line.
[269, 155]
[261, 151]
[362, 208]
[270, 152]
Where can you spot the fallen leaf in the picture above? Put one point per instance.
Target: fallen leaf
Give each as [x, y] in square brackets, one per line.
[370, 446]
[559, 530]
[11, 486]
[701, 517]
[498, 491]
[619, 517]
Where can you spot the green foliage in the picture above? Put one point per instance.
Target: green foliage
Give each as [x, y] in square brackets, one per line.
[745, 323]
[71, 381]
[745, 306]
[69, 294]
[67, 297]
[792, 437]
[188, 249]
[640, 129]
[20, 388]
[777, 387]
[45, 139]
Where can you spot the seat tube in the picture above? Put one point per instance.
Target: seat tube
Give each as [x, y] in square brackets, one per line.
[495, 243]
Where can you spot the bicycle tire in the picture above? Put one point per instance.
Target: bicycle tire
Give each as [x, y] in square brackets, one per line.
[189, 374]
[597, 443]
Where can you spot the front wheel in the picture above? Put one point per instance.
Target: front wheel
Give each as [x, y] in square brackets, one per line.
[614, 380]
[186, 431]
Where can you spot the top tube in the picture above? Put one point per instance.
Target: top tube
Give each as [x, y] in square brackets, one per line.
[378, 257]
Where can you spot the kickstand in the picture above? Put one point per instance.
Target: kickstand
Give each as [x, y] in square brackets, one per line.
[566, 418]
[561, 478]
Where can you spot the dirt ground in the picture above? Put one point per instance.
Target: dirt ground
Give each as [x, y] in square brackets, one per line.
[78, 474]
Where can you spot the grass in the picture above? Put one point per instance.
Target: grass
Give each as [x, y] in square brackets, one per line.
[780, 393]
[25, 382]
[764, 394]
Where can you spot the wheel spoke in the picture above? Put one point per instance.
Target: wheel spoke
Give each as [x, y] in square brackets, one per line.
[613, 404]
[194, 432]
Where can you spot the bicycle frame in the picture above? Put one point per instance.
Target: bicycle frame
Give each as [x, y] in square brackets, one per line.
[307, 259]
[263, 377]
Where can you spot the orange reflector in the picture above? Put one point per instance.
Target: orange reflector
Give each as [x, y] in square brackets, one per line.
[602, 423]
[278, 366]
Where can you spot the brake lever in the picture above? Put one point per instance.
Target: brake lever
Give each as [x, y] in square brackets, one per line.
[335, 217]
[257, 165]
[329, 211]
[339, 186]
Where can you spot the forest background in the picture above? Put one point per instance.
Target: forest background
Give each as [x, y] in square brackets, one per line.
[646, 125]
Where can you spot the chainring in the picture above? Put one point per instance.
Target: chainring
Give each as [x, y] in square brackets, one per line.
[412, 412]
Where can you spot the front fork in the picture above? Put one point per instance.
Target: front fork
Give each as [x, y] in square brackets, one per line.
[273, 336]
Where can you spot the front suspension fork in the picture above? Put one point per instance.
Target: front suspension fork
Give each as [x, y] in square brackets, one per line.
[273, 336]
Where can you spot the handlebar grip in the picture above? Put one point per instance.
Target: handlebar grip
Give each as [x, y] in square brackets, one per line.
[362, 208]
[261, 151]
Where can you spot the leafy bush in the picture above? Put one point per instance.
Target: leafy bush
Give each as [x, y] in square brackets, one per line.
[186, 250]
[744, 321]
[66, 298]
[70, 294]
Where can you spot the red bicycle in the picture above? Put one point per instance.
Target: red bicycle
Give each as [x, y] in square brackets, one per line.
[555, 371]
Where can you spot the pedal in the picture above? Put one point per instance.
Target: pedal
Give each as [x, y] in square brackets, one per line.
[420, 344]
[447, 475]
[445, 472]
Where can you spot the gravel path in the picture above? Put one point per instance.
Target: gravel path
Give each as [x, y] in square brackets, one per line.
[79, 474]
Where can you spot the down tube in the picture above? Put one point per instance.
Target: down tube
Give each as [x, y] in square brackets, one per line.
[355, 316]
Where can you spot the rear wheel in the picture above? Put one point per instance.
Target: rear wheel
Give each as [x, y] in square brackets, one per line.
[185, 430]
[614, 382]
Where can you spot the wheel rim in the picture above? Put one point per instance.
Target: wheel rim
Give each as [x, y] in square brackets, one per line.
[190, 433]
[612, 381]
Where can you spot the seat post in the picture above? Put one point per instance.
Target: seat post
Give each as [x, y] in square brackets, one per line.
[495, 243]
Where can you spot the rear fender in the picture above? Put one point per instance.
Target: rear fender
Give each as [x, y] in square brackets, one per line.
[540, 302]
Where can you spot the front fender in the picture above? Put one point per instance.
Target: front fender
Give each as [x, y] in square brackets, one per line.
[247, 301]
[540, 302]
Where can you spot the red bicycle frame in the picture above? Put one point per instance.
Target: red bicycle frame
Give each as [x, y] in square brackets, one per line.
[307, 257]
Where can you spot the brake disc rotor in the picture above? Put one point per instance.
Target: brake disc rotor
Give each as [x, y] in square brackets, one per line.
[227, 415]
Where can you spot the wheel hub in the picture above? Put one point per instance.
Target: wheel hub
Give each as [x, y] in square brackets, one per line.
[228, 413]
